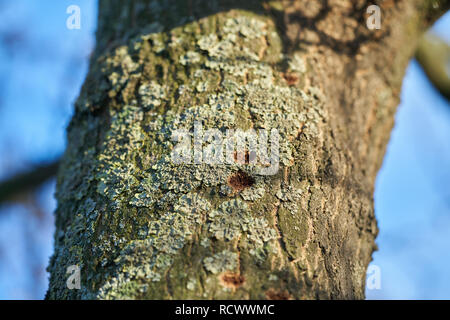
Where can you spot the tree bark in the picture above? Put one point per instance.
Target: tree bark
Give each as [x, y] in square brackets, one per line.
[141, 226]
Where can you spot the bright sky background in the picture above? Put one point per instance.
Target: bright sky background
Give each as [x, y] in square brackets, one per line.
[42, 66]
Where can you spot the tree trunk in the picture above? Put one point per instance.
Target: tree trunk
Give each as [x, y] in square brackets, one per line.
[140, 225]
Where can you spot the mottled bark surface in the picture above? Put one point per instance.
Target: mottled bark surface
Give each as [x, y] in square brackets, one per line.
[140, 226]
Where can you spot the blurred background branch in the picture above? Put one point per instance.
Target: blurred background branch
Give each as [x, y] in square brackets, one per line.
[13, 188]
[433, 54]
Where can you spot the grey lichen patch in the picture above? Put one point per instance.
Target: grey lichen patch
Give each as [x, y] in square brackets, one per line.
[227, 222]
[273, 277]
[117, 172]
[261, 100]
[249, 28]
[291, 198]
[191, 57]
[259, 232]
[148, 207]
[151, 36]
[280, 108]
[124, 65]
[151, 94]
[297, 63]
[220, 262]
[147, 260]
[192, 284]
[205, 242]
[237, 47]
[233, 218]
[254, 192]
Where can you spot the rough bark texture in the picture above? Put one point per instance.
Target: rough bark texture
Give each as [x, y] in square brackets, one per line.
[140, 226]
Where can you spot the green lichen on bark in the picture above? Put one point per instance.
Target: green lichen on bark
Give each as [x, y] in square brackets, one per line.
[151, 208]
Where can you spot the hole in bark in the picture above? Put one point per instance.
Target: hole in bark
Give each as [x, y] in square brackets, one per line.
[232, 280]
[240, 181]
[277, 294]
[291, 78]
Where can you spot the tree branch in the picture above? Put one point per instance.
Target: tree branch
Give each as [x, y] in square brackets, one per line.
[27, 181]
[433, 54]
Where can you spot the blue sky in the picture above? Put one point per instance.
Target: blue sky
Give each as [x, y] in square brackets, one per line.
[412, 197]
[412, 194]
[42, 66]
